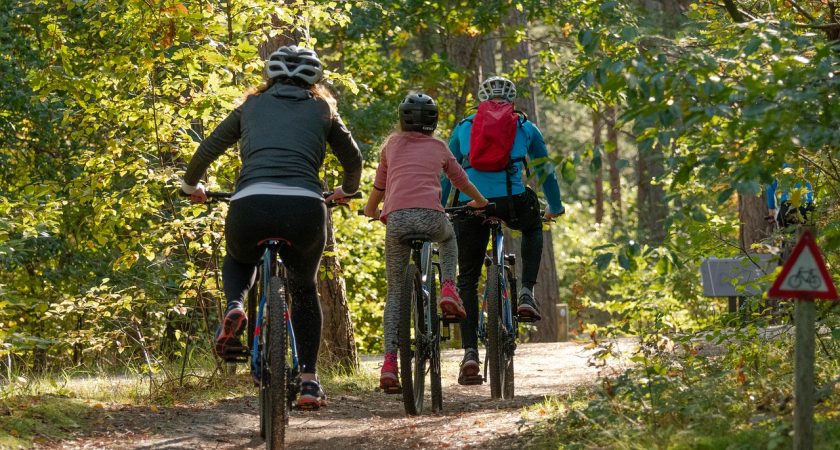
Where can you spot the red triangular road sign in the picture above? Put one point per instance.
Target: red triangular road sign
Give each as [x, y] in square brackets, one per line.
[804, 275]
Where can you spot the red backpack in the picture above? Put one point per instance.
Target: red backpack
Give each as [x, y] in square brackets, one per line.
[492, 135]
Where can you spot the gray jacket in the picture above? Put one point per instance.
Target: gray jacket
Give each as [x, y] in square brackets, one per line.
[282, 136]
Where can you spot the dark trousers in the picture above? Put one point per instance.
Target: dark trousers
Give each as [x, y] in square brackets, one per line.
[302, 222]
[788, 215]
[473, 236]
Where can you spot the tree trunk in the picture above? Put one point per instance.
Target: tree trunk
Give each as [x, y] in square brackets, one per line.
[597, 124]
[547, 289]
[752, 211]
[650, 201]
[487, 57]
[612, 159]
[651, 205]
[338, 344]
[464, 50]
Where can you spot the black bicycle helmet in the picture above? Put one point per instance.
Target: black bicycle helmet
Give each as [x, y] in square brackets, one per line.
[418, 112]
[295, 62]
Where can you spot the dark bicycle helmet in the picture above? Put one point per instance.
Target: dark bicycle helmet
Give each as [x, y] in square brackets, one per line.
[295, 62]
[418, 112]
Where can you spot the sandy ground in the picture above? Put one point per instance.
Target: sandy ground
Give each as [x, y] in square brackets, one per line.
[370, 420]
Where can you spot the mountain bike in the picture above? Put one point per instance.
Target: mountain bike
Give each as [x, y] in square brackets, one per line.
[498, 323]
[273, 352]
[418, 327]
[421, 327]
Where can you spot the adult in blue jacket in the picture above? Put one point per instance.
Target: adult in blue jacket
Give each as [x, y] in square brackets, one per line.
[520, 210]
[780, 207]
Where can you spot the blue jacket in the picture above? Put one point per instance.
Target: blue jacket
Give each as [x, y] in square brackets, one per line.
[529, 141]
[808, 198]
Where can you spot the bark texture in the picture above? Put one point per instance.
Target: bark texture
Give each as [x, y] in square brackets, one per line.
[338, 344]
[547, 289]
[612, 161]
[597, 124]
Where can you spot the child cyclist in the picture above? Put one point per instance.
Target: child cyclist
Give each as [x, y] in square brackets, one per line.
[408, 178]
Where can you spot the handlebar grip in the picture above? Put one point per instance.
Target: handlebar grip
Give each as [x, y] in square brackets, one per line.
[356, 195]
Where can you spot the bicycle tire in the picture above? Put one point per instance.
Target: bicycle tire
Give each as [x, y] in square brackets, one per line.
[263, 396]
[495, 334]
[277, 348]
[411, 351]
[508, 388]
[434, 361]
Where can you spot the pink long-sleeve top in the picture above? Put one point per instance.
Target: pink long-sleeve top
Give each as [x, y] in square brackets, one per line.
[409, 172]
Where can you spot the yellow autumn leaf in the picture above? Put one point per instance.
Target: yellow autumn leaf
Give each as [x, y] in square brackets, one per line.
[566, 29]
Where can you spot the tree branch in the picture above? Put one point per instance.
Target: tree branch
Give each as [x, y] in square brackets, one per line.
[802, 11]
[733, 11]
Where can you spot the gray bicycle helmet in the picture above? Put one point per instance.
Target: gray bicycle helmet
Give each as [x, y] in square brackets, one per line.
[295, 62]
[418, 112]
[497, 87]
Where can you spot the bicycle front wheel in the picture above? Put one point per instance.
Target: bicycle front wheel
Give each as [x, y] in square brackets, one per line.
[277, 412]
[495, 332]
[410, 332]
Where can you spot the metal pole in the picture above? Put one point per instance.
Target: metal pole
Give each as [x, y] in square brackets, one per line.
[803, 414]
[562, 322]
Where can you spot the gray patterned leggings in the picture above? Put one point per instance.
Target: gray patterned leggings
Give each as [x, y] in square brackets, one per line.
[411, 221]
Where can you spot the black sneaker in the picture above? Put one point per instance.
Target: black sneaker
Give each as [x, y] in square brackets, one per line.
[527, 310]
[312, 396]
[227, 335]
[470, 373]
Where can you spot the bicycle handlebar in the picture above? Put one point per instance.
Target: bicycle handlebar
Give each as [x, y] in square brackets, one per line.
[218, 196]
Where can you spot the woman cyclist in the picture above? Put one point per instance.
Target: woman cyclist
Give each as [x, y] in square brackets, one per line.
[282, 129]
[408, 178]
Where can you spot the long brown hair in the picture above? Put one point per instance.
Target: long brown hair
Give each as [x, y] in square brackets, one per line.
[318, 90]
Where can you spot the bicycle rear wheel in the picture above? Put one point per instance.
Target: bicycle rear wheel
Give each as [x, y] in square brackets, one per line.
[495, 332]
[276, 410]
[434, 350]
[510, 341]
[410, 332]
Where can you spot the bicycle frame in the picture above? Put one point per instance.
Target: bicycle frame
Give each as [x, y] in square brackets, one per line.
[272, 265]
[420, 353]
[497, 258]
[423, 259]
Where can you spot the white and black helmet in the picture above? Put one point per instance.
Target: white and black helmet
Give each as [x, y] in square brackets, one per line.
[418, 112]
[295, 62]
[497, 87]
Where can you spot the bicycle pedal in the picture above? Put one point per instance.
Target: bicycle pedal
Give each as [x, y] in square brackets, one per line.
[235, 354]
[471, 380]
[450, 319]
[526, 319]
[392, 390]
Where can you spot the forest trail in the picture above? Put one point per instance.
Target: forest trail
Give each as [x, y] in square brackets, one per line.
[373, 420]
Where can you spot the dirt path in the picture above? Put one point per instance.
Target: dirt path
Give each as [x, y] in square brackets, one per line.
[372, 420]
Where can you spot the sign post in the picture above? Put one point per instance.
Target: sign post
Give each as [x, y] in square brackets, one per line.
[804, 278]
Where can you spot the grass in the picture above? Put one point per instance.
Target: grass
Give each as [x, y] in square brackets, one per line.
[52, 406]
[740, 399]
[25, 419]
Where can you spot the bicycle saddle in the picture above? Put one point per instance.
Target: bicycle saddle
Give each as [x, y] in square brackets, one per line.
[409, 238]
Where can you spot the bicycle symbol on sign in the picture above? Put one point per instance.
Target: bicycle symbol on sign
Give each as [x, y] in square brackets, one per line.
[803, 276]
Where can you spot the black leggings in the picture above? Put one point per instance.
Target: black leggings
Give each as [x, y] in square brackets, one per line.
[473, 236]
[302, 222]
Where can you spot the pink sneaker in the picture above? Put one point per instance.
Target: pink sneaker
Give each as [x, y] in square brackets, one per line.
[450, 302]
[389, 380]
